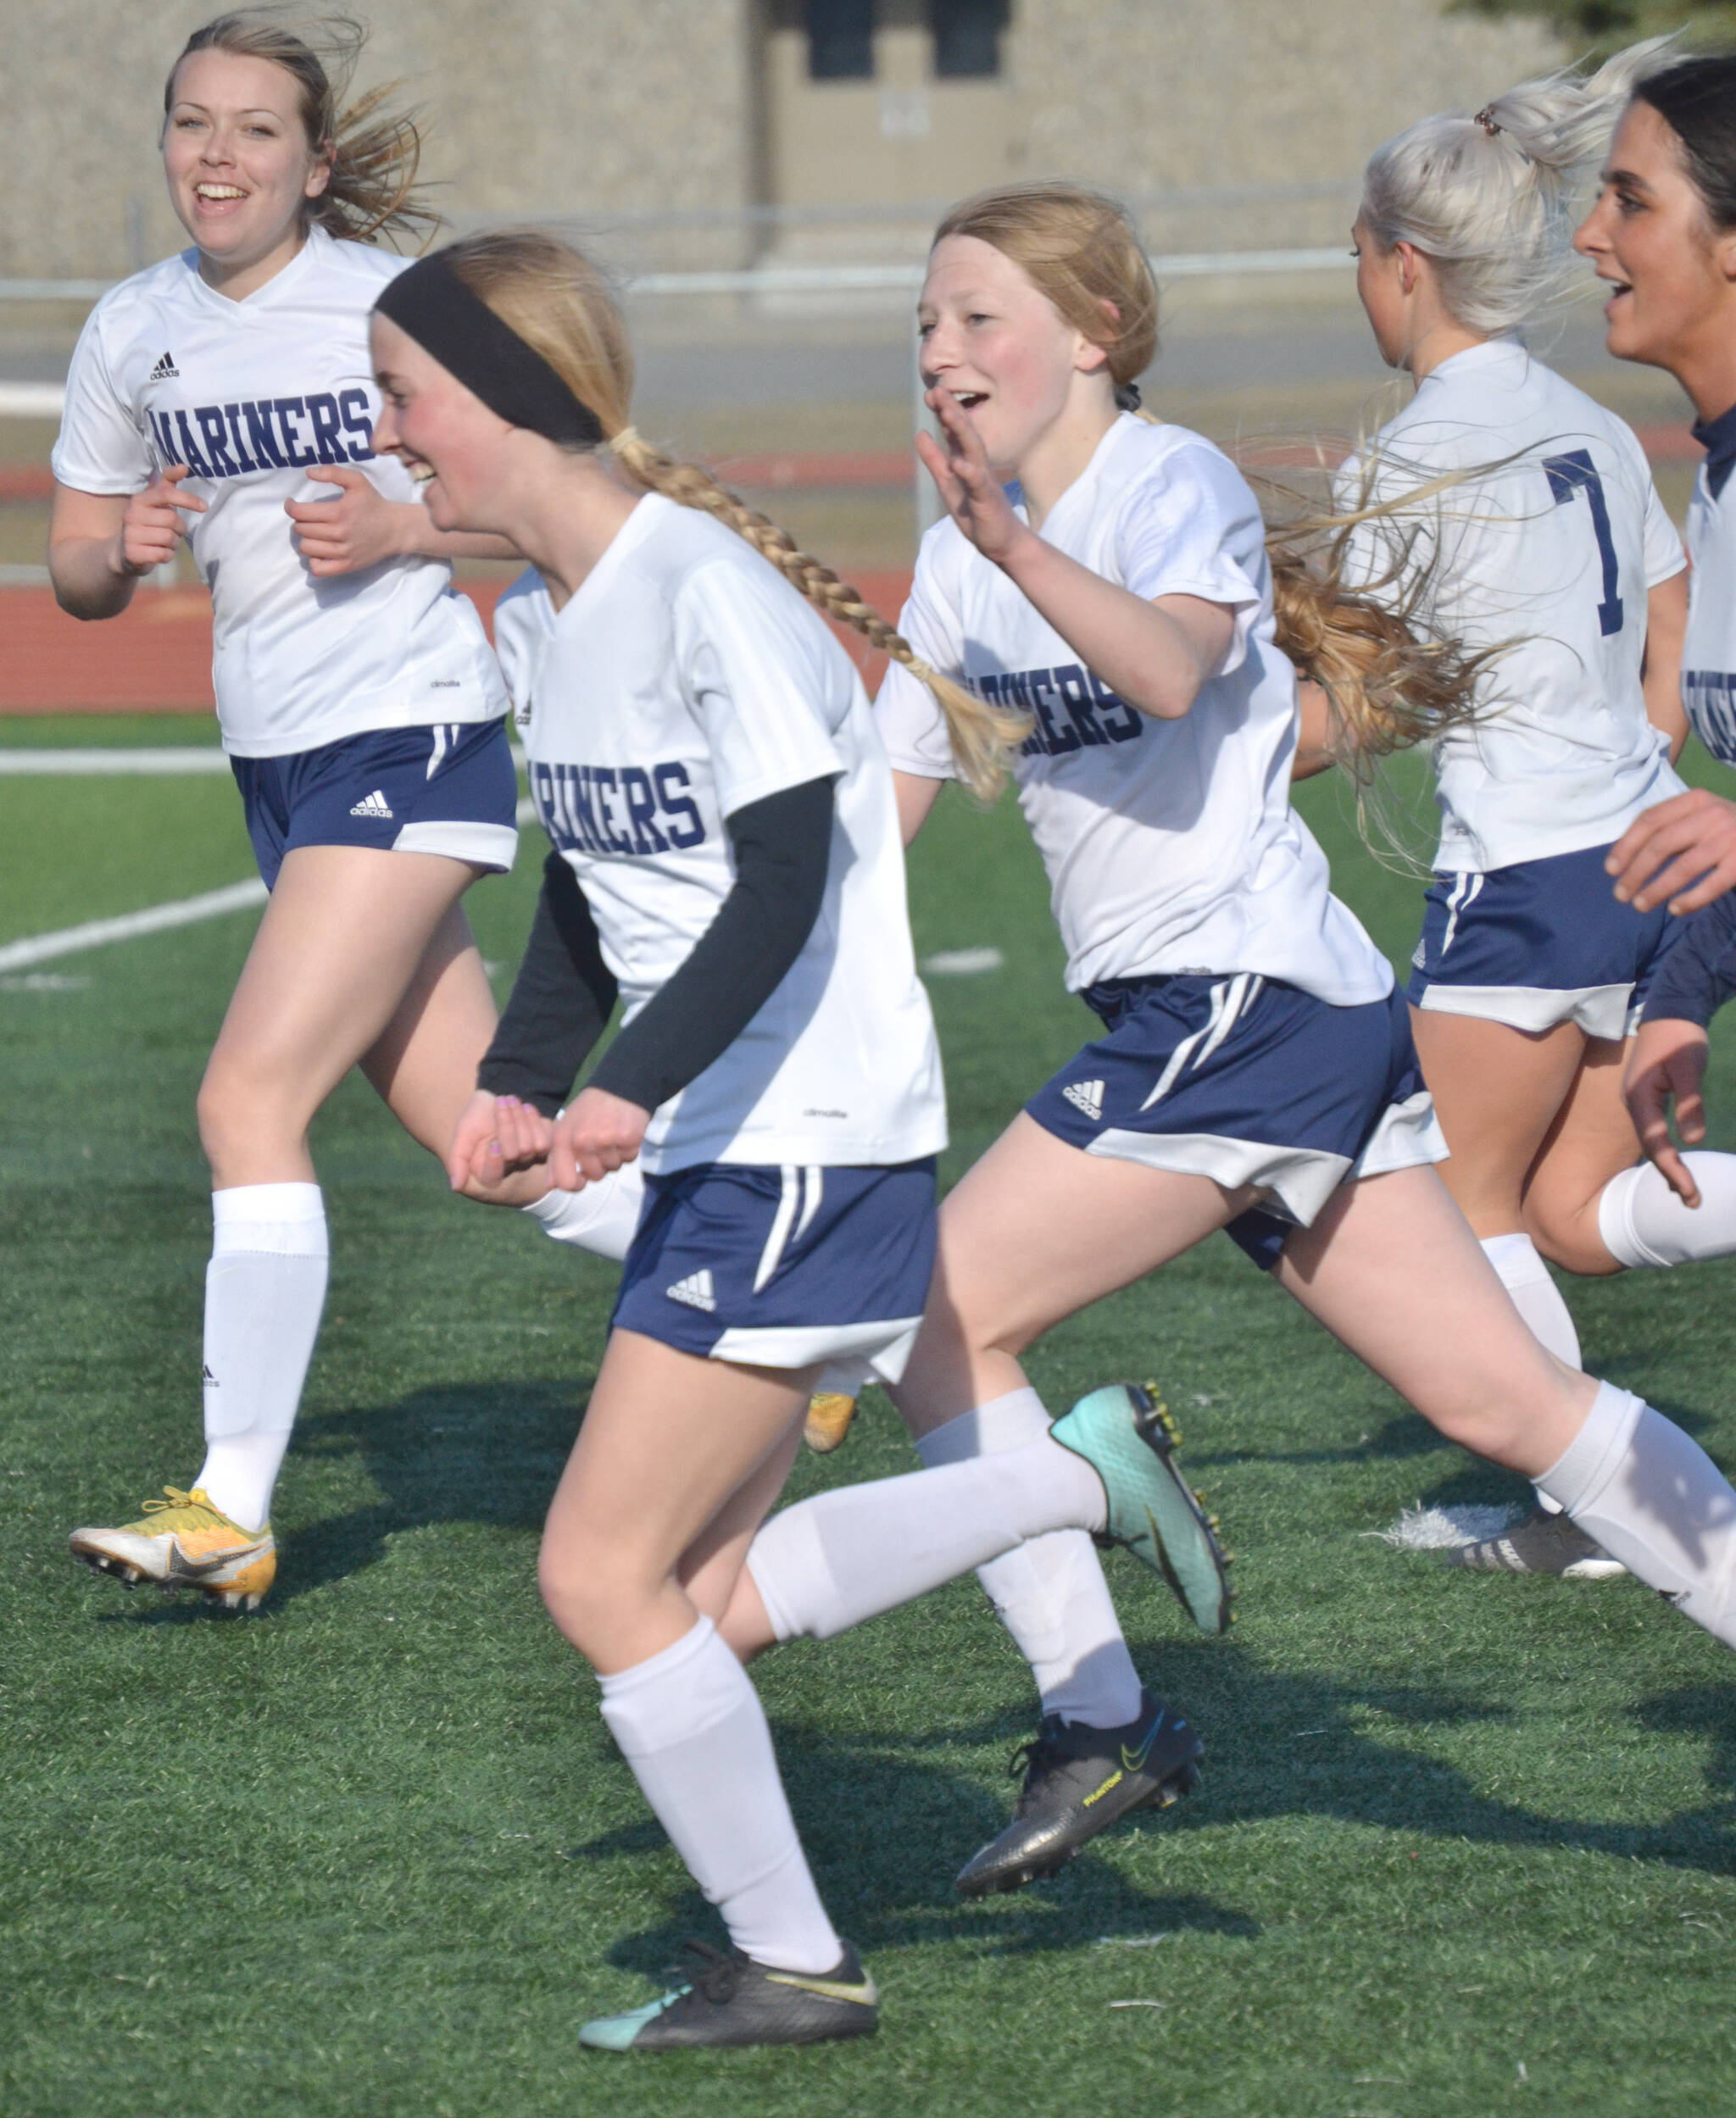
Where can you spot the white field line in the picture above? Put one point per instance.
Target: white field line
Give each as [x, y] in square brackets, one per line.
[166, 759]
[169, 758]
[155, 919]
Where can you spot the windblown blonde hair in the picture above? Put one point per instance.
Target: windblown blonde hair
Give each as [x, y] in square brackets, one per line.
[558, 301]
[1390, 683]
[374, 152]
[1491, 201]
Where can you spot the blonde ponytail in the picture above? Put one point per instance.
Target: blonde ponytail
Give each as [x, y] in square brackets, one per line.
[1490, 200]
[558, 301]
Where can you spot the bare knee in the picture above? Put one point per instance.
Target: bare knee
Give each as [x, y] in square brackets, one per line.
[594, 1592]
[243, 1121]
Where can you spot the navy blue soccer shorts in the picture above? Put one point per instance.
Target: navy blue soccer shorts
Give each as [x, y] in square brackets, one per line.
[1541, 942]
[1247, 1081]
[447, 789]
[783, 1266]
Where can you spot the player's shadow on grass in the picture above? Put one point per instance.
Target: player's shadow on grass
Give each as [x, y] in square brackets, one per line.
[886, 1830]
[1405, 1434]
[485, 1452]
[1286, 1742]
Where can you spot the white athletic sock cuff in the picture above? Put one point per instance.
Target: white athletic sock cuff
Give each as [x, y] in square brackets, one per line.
[1592, 1456]
[1615, 1218]
[674, 1695]
[287, 1220]
[1516, 1260]
[987, 1430]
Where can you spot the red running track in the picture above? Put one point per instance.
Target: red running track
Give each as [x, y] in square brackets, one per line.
[156, 657]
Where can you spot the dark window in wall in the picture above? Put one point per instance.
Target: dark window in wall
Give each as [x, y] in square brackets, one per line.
[967, 38]
[840, 40]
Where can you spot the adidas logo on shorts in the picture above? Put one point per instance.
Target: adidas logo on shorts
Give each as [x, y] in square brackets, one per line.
[166, 370]
[1086, 1096]
[695, 1291]
[375, 805]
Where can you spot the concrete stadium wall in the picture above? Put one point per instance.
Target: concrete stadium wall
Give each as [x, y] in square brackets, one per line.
[570, 108]
[535, 108]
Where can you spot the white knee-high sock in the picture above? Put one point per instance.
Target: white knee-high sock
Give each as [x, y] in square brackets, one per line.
[1654, 1500]
[1538, 1300]
[264, 1289]
[691, 1725]
[833, 1561]
[1644, 1223]
[1535, 1295]
[601, 1218]
[1049, 1592]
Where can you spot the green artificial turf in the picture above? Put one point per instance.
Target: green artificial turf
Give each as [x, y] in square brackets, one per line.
[1463, 1845]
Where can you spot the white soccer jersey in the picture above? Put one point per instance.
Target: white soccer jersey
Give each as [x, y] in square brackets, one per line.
[1171, 845]
[248, 395]
[1709, 650]
[685, 680]
[1552, 547]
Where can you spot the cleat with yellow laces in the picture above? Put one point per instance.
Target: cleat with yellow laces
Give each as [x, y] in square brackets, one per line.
[829, 1416]
[183, 1541]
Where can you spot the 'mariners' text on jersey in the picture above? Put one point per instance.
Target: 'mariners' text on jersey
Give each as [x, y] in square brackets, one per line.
[1072, 708]
[232, 440]
[629, 809]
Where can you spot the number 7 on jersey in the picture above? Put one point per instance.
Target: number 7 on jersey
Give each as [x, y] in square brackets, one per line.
[1573, 473]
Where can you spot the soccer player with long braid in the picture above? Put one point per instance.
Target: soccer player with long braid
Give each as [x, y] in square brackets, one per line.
[702, 753]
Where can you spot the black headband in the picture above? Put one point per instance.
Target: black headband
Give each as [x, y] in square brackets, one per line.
[434, 306]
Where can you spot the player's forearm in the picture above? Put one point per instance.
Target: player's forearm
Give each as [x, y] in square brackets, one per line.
[90, 576]
[1142, 651]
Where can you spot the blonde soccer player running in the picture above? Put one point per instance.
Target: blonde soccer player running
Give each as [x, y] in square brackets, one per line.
[703, 756]
[706, 759]
[1107, 580]
[1544, 548]
[225, 397]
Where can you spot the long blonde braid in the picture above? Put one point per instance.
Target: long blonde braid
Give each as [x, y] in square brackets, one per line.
[982, 739]
[558, 301]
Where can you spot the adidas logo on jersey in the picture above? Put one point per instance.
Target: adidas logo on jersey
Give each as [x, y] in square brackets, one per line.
[1086, 1096]
[695, 1291]
[375, 805]
[166, 370]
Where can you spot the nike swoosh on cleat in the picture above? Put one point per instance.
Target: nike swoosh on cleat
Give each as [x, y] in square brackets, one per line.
[182, 1568]
[1134, 1760]
[865, 1994]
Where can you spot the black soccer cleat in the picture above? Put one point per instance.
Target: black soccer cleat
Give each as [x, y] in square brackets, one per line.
[1543, 1543]
[1079, 1781]
[731, 2000]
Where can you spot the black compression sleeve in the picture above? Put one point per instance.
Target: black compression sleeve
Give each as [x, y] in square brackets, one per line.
[561, 999]
[783, 849]
[1699, 973]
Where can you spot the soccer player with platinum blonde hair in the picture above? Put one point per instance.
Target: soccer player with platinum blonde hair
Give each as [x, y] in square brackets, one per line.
[1543, 546]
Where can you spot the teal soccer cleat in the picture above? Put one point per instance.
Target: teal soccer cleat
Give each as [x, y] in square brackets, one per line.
[1127, 1435]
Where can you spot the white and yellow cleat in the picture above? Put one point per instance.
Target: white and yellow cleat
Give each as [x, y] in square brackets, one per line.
[183, 1541]
[829, 1416]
